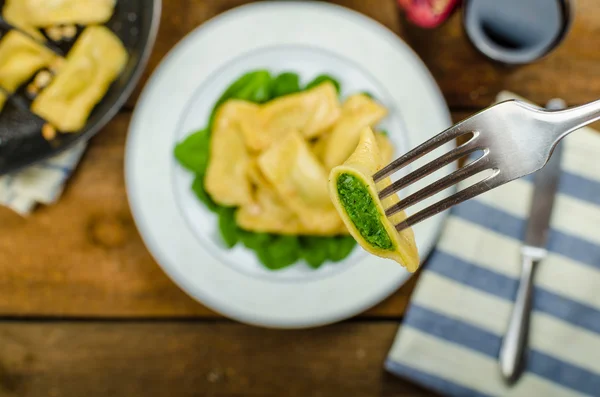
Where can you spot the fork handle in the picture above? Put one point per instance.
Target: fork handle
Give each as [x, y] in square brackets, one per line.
[515, 341]
[569, 120]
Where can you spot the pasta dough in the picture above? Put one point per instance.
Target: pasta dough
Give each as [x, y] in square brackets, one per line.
[46, 13]
[20, 58]
[268, 213]
[359, 111]
[354, 195]
[227, 174]
[310, 113]
[268, 160]
[95, 61]
[301, 182]
[386, 149]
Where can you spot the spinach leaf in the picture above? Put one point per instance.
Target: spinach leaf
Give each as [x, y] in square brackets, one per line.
[340, 247]
[285, 84]
[202, 194]
[247, 86]
[255, 86]
[368, 94]
[321, 79]
[274, 251]
[227, 226]
[258, 90]
[253, 240]
[193, 151]
[280, 253]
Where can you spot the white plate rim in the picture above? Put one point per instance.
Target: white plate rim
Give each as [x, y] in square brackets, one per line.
[439, 115]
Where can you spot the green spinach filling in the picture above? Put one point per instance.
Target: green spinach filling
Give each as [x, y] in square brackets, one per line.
[361, 209]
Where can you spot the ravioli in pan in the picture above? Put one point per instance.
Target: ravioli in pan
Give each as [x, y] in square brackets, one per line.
[30, 14]
[20, 58]
[16, 13]
[63, 91]
[95, 61]
[355, 196]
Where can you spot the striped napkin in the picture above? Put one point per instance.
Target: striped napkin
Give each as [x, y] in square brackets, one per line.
[40, 183]
[451, 335]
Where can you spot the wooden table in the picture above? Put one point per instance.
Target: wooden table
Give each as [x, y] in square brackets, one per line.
[86, 311]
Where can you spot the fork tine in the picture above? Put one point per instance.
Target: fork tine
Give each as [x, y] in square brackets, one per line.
[430, 167]
[475, 190]
[418, 152]
[477, 166]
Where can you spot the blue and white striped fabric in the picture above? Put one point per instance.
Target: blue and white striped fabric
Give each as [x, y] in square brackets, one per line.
[451, 335]
[40, 183]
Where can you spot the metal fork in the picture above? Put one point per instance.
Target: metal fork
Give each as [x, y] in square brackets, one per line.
[515, 139]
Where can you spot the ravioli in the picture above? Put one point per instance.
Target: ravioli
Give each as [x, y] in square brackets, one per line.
[310, 113]
[94, 62]
[20, 58]
[46, 13]
[354, 194]
[359, 111]
[319, 145]
[226, 178]
[16, 13]
[268, 214]
[301, 182]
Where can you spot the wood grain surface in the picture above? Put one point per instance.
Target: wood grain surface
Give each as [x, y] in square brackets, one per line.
[197, 360]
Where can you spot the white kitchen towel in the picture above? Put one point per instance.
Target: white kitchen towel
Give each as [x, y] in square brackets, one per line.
[451, 335]
[39, 183]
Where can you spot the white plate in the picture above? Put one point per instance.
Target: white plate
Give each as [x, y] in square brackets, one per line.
[310, 39]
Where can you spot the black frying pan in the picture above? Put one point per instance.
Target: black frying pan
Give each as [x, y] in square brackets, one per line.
[21, 142]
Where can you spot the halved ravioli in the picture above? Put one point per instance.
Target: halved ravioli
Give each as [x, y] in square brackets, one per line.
[310, 113]
[46, 13]
[94, 62]
[20, 58]
[226, 177]
[301, 182]
[359, 111]
[354, 194]
[268, 214]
